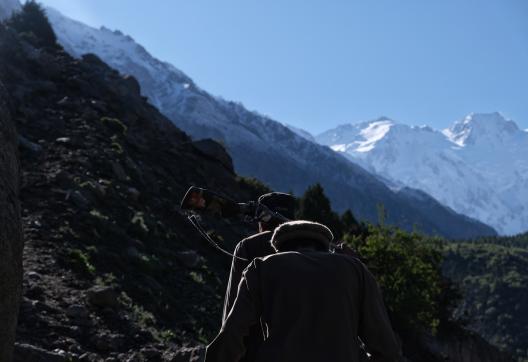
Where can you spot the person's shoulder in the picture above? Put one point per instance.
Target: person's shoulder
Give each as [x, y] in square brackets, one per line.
[345, 260]
[258, 238]
[256, 245]
[349, 259]
[278, 256]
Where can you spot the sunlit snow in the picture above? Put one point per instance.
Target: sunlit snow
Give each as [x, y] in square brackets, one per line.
[478, 166]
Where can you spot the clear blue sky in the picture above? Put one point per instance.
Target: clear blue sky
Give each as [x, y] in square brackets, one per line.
[315, 63]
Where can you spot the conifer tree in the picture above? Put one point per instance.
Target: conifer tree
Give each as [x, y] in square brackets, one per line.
[349, 222]
[32, 20]
[314, 205]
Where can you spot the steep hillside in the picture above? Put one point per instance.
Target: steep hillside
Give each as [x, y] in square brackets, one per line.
[478, 167]
[111, 264]
[261, 147]
[492, 275]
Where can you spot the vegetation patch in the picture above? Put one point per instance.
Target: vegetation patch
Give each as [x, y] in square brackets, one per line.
[81, 261]
[115, 124]
[493, 276]
[139, 219]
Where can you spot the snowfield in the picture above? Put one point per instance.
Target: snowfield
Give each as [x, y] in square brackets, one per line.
[478, 166]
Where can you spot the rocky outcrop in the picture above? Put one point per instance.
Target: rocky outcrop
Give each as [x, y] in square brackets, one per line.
[10, 232]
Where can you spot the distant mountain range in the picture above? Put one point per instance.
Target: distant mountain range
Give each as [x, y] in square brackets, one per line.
[478, 166]
[262, 147]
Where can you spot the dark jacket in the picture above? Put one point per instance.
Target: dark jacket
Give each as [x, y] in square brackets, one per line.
[255, 246]
[313, 306]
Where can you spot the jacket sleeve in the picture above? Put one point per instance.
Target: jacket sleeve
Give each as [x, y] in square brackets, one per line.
[237, 267]
[375, 328]
[229, 344]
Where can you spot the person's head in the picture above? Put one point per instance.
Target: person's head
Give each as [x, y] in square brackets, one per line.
[278, 202]
[301, 234]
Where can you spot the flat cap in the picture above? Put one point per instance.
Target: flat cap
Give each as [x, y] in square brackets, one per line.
[301, 230]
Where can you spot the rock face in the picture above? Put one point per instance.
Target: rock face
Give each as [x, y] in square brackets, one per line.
[10, 232]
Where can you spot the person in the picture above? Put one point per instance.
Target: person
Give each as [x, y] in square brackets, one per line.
[312, 304]
[255, 246]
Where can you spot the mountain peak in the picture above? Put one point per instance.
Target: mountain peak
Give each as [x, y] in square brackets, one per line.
[477, 126]
[363, 134]
[384, 119]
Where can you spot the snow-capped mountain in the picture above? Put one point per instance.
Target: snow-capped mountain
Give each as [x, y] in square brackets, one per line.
[478, 166]
[159, 80]
[260, 146]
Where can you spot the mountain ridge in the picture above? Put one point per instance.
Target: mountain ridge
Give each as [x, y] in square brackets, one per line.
[477, 166]
[260, 147]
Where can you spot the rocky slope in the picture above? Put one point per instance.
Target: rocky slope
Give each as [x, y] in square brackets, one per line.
[478, 167]
[261, 147]
[112, 267]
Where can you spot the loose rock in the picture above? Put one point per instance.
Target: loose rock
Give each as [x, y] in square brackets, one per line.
[103, 297]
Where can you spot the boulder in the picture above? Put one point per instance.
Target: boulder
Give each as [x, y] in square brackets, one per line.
[215, 150]
[102, 296]
[77, 311]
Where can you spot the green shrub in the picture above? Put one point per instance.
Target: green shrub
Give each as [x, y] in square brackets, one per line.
[408, 270]
[115, 124]
[81, 261]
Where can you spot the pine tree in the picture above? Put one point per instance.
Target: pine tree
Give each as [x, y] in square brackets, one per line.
[32, 21]
[315, 206]
[350, 224]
